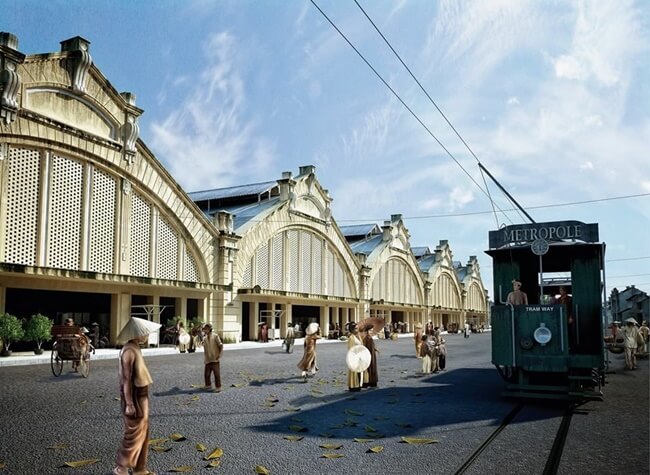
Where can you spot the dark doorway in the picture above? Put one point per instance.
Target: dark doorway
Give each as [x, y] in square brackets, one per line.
[303, 315]
[84, 308]
[245, 324]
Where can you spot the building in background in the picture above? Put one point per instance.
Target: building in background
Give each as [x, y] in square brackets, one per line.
[93, 227]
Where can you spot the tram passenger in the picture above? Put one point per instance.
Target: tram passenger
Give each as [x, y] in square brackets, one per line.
[517, 296]
[565, 299]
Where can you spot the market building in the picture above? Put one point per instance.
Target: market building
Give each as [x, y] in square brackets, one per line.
[93, 227]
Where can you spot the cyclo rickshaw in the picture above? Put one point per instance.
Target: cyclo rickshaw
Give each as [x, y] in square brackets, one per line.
[70, 344]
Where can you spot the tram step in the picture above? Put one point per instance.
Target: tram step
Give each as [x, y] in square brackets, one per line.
[584, 378]
[588, 394]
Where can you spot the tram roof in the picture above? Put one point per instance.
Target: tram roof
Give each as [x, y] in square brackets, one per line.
[556, 259]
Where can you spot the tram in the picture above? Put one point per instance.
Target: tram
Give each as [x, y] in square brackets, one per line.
[545, 348]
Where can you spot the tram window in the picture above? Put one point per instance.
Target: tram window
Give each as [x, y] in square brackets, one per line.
[549, 286]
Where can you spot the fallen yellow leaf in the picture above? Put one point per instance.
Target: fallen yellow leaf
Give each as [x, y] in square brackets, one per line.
[158, 441]
[183, 468]
[3, 465]
[331, 446]
[81, 463]
[376, 449]
[353, 413]
[215, 454]
[326, 435]
[159, 448]
[362, 440]
[262, 470]
[297, 428]
[201, 447]
[416, 441]
[177, 437]
[214, 463]
[293, 438]
[332, 456]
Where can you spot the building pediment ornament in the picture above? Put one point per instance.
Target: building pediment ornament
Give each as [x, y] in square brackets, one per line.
[78, 61]
[130, 132]
[9, 78]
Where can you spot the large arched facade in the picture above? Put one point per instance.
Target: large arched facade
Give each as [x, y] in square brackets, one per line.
[91, 225]
[396, 290]
[292, 263]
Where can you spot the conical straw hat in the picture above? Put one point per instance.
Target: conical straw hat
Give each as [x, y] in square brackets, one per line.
[631, 320]
[137, 327]
[358, 358]
[312, 328]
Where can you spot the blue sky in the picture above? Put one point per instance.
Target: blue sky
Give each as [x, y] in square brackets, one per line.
[552, 96]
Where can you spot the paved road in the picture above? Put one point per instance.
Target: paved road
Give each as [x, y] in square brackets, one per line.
[264, 400]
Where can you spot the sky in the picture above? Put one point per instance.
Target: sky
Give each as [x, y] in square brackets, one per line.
[552, 97]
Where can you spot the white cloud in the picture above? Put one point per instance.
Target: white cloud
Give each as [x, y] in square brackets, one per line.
[460, 197]
[208, 141]
[570, 67]
[512, 101]
[587, 166]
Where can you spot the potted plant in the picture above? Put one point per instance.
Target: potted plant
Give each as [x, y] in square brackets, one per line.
[38, 329]
[11, 329]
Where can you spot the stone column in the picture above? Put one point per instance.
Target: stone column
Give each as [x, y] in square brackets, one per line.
[120, 313]
[324, 320]
[253, 319]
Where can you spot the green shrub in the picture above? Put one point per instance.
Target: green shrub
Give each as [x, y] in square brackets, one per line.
[38, 329]
[11, 329]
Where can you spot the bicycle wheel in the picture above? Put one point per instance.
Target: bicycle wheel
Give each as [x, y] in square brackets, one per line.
[56, 362]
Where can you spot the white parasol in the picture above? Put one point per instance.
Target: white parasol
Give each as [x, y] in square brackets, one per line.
[137, 327]
[312, 328]
[358, 358]
[184, 339]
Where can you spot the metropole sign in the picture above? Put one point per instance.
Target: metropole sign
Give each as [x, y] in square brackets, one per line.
[553, 231]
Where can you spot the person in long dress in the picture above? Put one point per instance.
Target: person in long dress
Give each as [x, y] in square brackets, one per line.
[308, 362]
[371, 375]
[418, 338]
[425, 354]
[354, 378]
[135, 381]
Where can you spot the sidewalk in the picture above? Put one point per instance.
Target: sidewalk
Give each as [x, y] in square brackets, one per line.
[25, 358]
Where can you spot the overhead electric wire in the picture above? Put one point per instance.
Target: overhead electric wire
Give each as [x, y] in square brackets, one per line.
[415, 116]
[481, 166]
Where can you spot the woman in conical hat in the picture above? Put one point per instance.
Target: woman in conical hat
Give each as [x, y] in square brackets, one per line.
[134, 395]
[354, 377]
[308, 361]
[630, 343]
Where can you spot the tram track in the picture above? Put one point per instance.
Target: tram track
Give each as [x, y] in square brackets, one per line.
[555, 454]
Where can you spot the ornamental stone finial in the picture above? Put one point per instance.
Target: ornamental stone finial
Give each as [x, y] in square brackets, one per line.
[10, 81]
[79, 61]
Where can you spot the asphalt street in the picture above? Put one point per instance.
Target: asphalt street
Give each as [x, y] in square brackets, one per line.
[47, 421]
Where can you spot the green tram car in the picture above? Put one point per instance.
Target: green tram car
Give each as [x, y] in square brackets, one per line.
[545, 349]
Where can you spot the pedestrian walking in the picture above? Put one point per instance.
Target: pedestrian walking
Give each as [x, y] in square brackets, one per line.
[631, 336]
[425, 355]
[417, 336]
[355, 378]
[135, 381]
[212, 349]
[289, 339]
[371, 375]
[308, 363]
[466, 329]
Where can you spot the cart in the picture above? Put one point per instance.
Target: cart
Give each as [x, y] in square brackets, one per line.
[70, 345]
